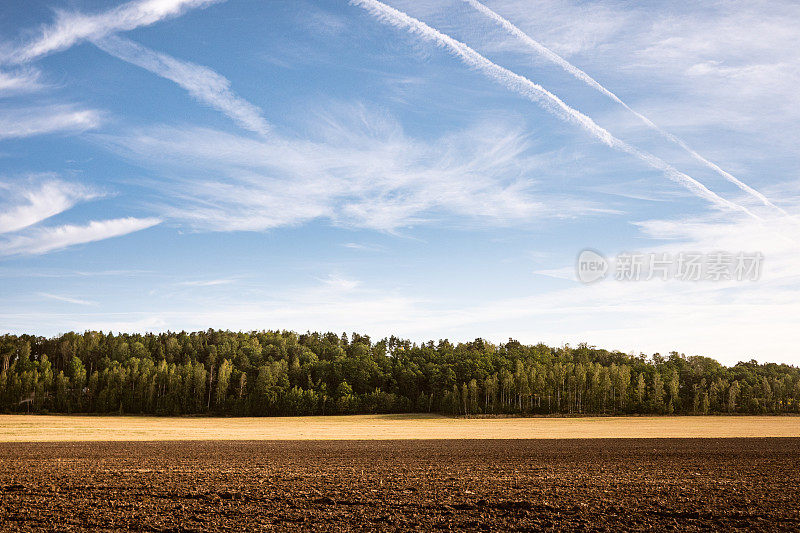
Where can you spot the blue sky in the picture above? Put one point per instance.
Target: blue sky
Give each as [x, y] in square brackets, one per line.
[428, 169]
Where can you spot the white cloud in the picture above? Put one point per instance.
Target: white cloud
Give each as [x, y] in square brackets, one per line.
[208, 283]
[339, 283]
[566, 272]
[361, 170]
[43, 240]
[739, 59]
[67, 299]
[202, 83]
[72, 27]
[322, 22]
[364, 247]
[27, 122]
[22, 80]
[29, 272]
[28, 204]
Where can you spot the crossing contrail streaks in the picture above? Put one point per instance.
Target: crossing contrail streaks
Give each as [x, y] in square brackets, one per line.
[584, 77]
[545, 99]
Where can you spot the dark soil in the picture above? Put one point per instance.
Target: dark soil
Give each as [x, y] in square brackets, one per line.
[666, 484]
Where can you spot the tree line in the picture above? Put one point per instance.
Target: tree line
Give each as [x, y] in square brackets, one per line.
[285, 373]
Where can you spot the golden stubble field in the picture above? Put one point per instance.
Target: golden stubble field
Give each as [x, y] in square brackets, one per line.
[41, 428]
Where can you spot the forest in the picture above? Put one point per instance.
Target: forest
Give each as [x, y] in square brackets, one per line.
[271, 373]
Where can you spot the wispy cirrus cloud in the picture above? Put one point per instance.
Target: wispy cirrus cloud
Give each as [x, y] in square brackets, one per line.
[208, 282]
[336, 282]
[30, 121]
[362, 247]
[66, 299]
[71, 28]
[201, 82]
[360, 170]
[43, 240]
[22, 80]
[26, 204]
[64, 274]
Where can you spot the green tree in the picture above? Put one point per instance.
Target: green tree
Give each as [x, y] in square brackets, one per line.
[641, 392]
[223, 382]
[657, 399]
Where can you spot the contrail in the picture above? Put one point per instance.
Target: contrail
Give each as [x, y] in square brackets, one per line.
[584, 77]
[541, 96]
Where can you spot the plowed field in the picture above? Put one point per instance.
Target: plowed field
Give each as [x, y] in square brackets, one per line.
[587, 484]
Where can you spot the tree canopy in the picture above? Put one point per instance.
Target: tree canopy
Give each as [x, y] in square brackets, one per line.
[285, 373]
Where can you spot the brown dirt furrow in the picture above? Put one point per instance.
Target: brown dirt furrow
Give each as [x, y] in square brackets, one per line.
[431, 485]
